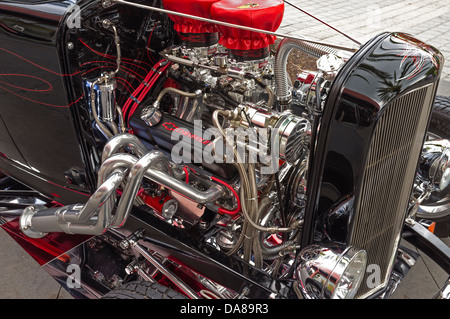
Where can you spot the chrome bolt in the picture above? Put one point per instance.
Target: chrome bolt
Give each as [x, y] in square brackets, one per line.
[124, 244]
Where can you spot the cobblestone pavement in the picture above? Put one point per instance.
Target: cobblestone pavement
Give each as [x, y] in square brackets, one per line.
[427, 20]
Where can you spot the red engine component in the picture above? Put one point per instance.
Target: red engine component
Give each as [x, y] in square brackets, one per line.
[165, 206]
[259, 14]
[193, 32]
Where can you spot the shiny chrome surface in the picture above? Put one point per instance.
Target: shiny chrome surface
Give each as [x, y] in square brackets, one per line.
[106, 100]
[95, 216]
[331, 272]
[435, 163]
[73, 219]
[283, 90]
[164, 270]
[388, 179]
[295, 134]
[161, 176]
[151, 115]
[293, 131]
[330, 64]
[433, 179]
[108, 24]
[345, 34]
[103, 101]
[189, 106]
[123, 140]
[444, 292]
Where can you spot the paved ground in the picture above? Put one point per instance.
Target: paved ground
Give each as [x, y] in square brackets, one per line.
[428, 20]
[21, 277]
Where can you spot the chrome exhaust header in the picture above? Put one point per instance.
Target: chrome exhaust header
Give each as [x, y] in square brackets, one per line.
[73, 219]
[98, 214]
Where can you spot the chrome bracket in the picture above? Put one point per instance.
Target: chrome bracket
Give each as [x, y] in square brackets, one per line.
[108, 3]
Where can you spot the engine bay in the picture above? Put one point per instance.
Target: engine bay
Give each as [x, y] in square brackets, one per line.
[219, 103]
[201, 158]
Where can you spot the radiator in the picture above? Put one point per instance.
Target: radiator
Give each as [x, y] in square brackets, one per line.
[387, 181]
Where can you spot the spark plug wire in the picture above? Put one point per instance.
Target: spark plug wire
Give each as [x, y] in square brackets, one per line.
[215, 179]
[146, 86]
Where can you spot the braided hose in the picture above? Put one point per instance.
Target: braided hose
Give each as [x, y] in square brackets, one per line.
[285, 47]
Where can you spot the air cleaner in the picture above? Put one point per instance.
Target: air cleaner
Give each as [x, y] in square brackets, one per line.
[260, 14]
[192, 32]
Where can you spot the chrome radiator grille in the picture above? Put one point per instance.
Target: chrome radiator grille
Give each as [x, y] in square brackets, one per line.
[387, 181]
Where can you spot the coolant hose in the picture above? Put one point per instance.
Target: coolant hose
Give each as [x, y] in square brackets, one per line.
[270, 253]
[283, 92]
[174, 90]
[246, 184]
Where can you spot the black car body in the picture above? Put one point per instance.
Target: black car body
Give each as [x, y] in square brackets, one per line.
[367, 141]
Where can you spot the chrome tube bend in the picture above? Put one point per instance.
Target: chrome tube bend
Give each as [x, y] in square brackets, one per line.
[36, 223]
[135, 177]
[122, 140]
[145, 167]
[285, 47]
[201, 197]
[102, 222]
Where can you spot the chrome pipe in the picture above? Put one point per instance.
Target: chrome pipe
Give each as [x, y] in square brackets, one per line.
[94, 217]
[122, 128]
[135, 177]
[164, 270]
[37, 223]
[285, 47]
[115, 162]
[96, 201]
[325, 23]
[123, 140]
[118, 162]
[177, 91]
[144, 167]
[201, 197]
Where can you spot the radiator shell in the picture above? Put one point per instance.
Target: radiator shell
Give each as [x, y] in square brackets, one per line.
[373, 126]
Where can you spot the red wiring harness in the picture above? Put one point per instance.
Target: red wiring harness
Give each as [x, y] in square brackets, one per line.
[146, 82]
[141, 92]
[221, 209]
[138, 96]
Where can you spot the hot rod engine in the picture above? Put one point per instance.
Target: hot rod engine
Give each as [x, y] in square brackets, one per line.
[209, 167]
[205, 91]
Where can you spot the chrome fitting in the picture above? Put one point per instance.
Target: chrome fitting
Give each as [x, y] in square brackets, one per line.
[331, 272]
[25, 223]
